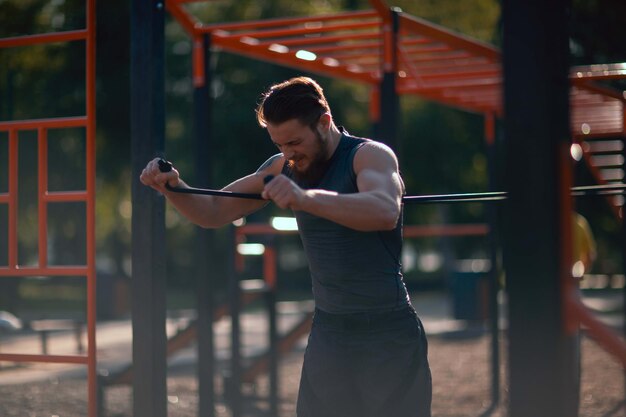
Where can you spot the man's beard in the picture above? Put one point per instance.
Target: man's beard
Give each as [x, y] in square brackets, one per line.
[313, 174]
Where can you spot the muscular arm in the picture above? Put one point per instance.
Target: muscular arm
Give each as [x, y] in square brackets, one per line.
[211, 211]
[375, 207]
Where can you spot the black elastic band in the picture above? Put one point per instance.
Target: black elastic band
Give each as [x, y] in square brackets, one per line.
[491, 196]
[166, 166]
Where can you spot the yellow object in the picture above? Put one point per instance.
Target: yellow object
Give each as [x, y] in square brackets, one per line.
[584, 249]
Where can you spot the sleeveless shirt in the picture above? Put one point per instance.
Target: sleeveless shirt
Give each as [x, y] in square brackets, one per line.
[351, 271]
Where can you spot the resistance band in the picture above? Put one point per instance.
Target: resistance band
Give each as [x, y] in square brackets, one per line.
[581, 191]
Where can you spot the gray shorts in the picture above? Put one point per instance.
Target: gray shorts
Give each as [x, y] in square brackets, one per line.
[366, 365]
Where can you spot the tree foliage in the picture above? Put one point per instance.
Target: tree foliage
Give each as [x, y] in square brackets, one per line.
[442, 148]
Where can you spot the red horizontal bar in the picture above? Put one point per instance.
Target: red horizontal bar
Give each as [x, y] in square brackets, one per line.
[234, 45]
[65, 196]
[261, 229]
[270, 33]
[599, 71]
[367, 62]
[4, 197]
[72, 35]
[486, 100]
[457, 83]
[408, 231]
[14, 357]
[598, 114]
[442, 62]
[372, 48]
[443, 58]
[22, 271]
[454, 40]
[54, 123]
[489, 67]
[446, 230]
[353, 55]
[452, 102]
[495, 100]
[288, 21]
[608, 119]
[320, 40]
[596, 128]
[593, 88]
[600, 135]
[594, 99]
[600, 67]
[455, 76]
[427, 49]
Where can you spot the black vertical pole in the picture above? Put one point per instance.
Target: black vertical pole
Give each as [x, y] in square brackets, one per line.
[273, 336]
[494, 272]
[387, 129]
[8, 287]
[273, 350]
[148, 216]
[233, 384]
[204, 238]
[537, 221]
[623, 219]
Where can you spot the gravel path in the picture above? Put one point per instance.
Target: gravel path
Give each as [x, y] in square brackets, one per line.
[461, 381]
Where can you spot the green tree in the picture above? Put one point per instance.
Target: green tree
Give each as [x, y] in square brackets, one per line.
[442, 148]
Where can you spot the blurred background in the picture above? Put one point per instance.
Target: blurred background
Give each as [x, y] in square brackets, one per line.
[442, 149]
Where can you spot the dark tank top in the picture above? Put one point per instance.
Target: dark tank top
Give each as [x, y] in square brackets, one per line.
[351, 271]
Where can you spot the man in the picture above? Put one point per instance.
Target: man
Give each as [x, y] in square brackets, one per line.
[367, 351]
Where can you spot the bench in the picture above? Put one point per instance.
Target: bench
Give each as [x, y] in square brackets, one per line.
[47, 326]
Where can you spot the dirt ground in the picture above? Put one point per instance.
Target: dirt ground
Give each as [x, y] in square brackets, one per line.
[461, 385]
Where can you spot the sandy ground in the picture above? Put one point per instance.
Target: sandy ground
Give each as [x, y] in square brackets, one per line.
[459, 359]
[461, 385]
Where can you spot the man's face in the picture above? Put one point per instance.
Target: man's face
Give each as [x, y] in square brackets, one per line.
[305, 150]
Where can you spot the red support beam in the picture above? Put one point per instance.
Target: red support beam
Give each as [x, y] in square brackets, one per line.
[73, 35]
[272, 23]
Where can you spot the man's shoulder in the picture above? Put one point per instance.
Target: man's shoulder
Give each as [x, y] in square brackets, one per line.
[361, 142]
[354, 143]
[373, 147]
[271, 161]
[374, 153]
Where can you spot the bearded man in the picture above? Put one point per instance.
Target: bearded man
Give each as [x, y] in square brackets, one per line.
[367, 351]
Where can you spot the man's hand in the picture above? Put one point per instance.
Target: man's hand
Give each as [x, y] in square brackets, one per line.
[284, 193]
[153, 177]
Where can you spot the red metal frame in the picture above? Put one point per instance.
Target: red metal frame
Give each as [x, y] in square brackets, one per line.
[433, 62]
[408, 231]
[45, 197]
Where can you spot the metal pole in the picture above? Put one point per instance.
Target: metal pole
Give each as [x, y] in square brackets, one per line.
[622, 212]
[537, 220]
[148, 216]
[389, 101]
[232, 385]
[270, 296]
[204, 239]
[494, 286]
[271, 282]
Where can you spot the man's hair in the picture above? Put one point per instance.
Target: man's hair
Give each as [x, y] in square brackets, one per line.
[298, 98]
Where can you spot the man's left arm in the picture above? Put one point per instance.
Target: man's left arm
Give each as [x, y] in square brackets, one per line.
[376, 206]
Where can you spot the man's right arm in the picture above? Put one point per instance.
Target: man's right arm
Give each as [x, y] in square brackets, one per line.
[211, 211]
